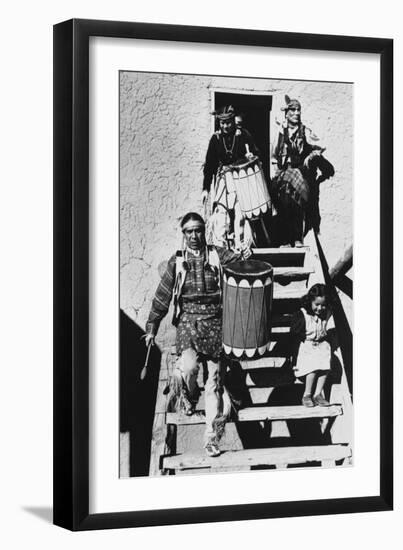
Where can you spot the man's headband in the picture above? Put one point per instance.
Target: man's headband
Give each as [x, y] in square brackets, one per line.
[193, 224]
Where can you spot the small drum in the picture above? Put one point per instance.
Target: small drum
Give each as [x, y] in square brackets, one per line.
[247, 301]
[248, 181]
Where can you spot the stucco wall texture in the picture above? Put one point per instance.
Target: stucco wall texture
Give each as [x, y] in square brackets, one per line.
[165, 126]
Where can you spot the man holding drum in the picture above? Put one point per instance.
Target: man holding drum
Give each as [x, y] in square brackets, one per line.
[295, 161]
[227, 146]
[193, 280]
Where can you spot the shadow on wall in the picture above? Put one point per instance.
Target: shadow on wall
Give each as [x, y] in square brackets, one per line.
[137, 397]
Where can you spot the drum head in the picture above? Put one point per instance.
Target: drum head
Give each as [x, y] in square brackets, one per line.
[248, 269]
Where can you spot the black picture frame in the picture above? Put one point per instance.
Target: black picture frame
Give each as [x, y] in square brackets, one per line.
[71, 273]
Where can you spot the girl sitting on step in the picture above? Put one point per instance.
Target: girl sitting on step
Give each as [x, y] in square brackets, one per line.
[312, 350]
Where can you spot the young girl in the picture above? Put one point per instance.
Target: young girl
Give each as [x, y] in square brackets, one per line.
[312, 348]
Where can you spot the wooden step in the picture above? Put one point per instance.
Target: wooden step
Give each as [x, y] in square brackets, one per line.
[275, 331]
[181, 419]
[252, 414]
[280, 251]
[259, 457]
[292, 272]
[280, 335]
[263, 363]
[291, 412]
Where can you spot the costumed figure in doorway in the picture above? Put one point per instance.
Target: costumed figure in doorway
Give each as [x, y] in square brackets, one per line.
[193, 280]
[295, 162]
[233, 175]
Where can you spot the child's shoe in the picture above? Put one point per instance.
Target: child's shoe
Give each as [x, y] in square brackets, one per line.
[320, 401]
[307, 401]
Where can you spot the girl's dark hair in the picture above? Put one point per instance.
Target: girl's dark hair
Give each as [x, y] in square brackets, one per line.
[315, 291]
[191, 216]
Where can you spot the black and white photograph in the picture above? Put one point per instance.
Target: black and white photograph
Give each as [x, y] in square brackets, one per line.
[236, 274]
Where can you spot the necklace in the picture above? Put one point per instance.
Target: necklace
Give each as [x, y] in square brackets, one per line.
[232, 146]
[193, 251]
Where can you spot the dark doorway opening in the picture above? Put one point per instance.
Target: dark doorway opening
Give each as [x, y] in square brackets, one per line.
[255, 112]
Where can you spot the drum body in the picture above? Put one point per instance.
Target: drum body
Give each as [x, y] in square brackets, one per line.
[248, 181]
[247, 303]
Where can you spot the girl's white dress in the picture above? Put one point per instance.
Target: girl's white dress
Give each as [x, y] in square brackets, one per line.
[315, 352]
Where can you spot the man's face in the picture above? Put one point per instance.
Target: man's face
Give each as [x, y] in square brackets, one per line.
[293, 115]
[227, 126]
[194, 235]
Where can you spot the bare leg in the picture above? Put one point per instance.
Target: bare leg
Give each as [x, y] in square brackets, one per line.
[309, 380]
[320, 383]
[318, 397]
[213, 398]
[189, 368]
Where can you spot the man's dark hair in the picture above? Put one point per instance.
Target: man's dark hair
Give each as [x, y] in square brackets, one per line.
[191, 216]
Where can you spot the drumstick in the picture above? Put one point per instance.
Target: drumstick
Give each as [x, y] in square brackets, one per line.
[143, 373]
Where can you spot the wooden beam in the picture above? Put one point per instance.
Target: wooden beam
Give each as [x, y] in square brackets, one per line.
[279, 251]
[159, 445]
[291, 272]
[161, 401]
[291, 412]
[263, 363]
[253, 414]
[313, 261]
[343, 264]
[258, 457]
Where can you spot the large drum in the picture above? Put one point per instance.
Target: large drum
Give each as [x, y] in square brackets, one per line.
[248, 181]
[247, 301]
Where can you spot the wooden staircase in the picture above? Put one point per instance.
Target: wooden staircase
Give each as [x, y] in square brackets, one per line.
[290, 434]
